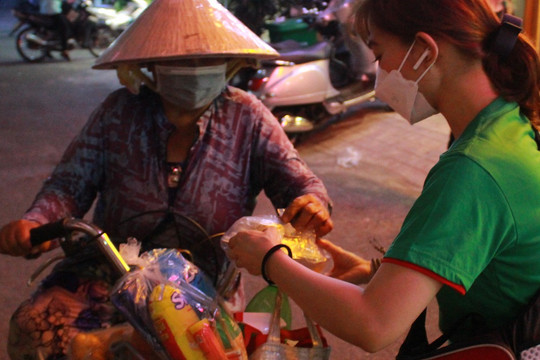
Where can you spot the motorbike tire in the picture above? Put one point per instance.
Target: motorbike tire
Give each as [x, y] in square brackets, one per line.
[100, 39]
[29, 50]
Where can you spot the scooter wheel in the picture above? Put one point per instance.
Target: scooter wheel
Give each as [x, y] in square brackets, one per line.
[100, 39]
[29, 50]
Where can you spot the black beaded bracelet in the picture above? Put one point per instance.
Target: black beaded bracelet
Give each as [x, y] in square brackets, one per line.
[269, 253]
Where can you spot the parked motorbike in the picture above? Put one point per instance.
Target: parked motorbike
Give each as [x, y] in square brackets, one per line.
[306, 87]
[27, 7]
[117, 20]
[38, 36]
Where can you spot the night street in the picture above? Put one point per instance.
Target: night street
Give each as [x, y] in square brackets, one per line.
[42, 106]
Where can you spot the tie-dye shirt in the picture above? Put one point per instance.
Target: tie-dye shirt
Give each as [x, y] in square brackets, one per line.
[119, 158]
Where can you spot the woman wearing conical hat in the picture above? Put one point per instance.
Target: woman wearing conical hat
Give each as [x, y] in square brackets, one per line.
[177, 147]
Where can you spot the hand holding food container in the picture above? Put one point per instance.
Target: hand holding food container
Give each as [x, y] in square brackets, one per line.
[251, 237]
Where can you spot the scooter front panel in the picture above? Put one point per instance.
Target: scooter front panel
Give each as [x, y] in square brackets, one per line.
[305, 83]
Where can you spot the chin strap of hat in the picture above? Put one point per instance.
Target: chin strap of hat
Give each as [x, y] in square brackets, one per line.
[131, 76]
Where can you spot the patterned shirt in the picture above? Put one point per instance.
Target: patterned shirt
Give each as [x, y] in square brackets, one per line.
[119, 158]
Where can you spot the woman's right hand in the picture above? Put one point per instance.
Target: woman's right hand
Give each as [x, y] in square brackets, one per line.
[15, 239]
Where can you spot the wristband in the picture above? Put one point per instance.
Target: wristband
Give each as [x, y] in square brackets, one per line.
[267, 256]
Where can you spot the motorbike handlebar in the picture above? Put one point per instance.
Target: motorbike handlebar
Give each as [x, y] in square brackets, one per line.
[63, 228]
[47, 232]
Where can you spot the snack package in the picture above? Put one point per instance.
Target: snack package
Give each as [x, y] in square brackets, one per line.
[172, 316]
[303, 244]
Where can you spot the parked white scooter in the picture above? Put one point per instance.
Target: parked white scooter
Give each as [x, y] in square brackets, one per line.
[309, 86]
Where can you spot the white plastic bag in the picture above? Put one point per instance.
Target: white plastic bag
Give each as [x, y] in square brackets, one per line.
[303, 244]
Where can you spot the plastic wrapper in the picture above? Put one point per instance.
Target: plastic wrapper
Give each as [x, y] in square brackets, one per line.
[123, 340]
[164, 297]
[303, 244]
[349, 158]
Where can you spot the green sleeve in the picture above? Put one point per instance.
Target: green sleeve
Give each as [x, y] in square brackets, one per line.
[457, 225]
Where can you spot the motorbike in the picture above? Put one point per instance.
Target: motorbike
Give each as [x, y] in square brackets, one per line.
[138, 338]
[117, 20]
[37, 35]
[310, 86]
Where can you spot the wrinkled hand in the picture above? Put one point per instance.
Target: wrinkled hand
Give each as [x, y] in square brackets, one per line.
[15, 239]
[347, 266]
[247, 248]
[309, 212]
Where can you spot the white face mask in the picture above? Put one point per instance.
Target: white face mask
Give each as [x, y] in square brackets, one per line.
[190, 87]
[401, 94]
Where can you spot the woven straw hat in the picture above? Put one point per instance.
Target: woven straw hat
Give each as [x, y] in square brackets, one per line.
[181, 29]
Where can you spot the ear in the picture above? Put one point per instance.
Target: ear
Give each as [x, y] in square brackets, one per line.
[430, 50]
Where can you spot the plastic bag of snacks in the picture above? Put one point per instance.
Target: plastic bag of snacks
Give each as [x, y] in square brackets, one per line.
[303, 244]
[175, 307]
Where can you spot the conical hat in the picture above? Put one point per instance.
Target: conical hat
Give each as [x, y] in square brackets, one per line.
[179, 29]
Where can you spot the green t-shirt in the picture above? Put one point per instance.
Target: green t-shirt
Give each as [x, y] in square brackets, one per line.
[477, 222]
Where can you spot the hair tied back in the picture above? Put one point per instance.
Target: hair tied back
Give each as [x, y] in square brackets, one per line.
[506, 35]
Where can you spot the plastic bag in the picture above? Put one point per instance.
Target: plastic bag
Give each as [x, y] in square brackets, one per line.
[122, 339]
[164, 297]
[350, 158]
[306, 343]
[302, 244]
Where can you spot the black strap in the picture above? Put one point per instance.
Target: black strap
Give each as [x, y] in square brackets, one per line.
[416, 345]
[416, 341]
[537, 137]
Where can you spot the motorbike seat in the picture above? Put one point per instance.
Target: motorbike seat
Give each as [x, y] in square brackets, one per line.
[318, 51]
[36, 19]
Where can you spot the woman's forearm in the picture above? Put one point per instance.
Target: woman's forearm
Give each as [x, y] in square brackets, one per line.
[337, 306]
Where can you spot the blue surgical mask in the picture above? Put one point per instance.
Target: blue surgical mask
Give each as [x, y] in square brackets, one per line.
[401, 94]
[190, 87]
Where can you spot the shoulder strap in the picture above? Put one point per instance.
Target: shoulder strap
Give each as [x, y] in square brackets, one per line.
[416, 341]
[416, 345]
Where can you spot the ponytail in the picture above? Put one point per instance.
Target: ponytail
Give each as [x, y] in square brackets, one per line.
[513, 67]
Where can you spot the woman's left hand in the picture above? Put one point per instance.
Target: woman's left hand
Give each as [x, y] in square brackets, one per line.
[247, 248]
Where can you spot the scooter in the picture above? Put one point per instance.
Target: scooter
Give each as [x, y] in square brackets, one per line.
[307, 87]
[38, 35]
[119, 20]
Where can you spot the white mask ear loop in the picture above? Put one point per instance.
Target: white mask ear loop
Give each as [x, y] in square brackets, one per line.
[424, 55]
[406, 55]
